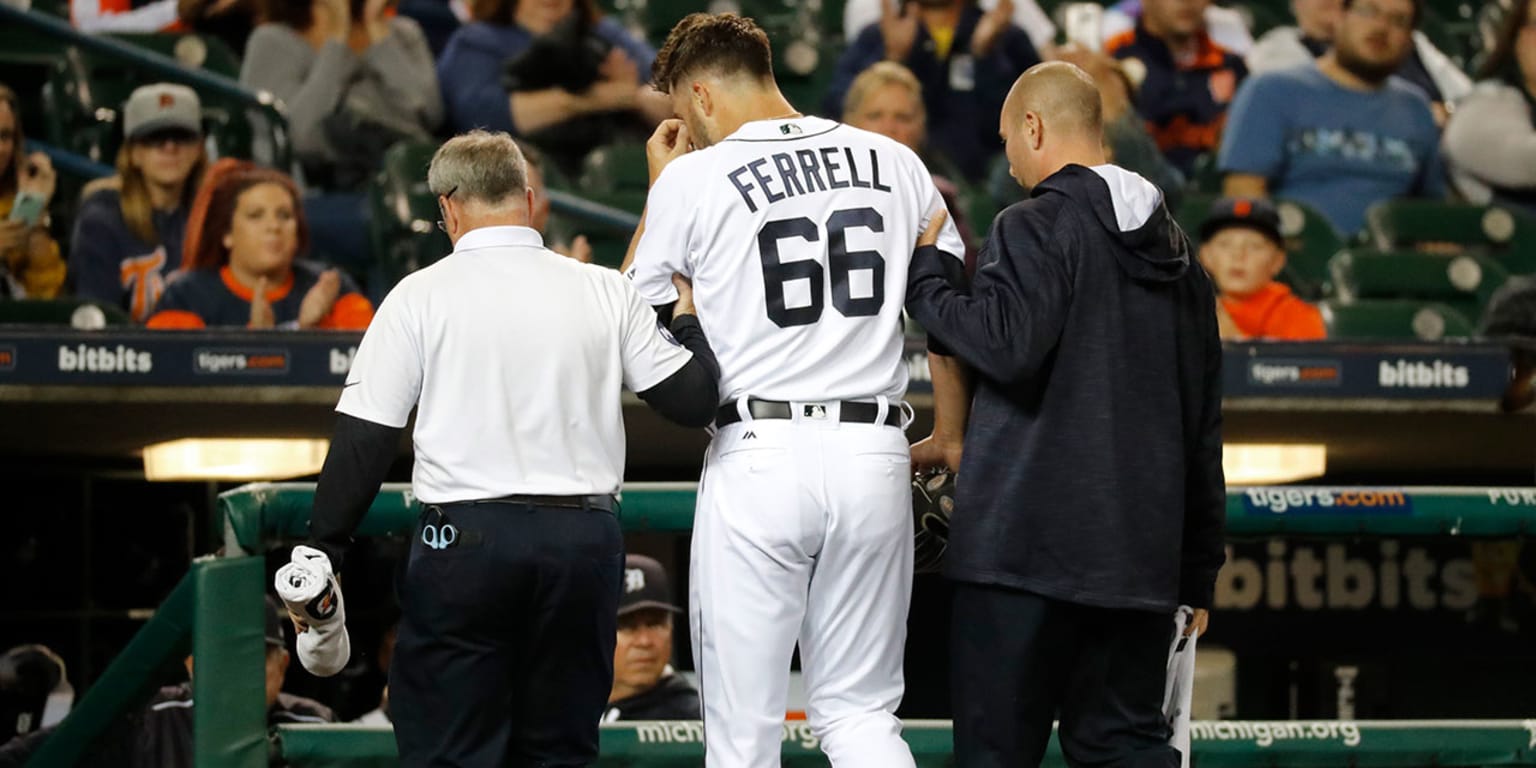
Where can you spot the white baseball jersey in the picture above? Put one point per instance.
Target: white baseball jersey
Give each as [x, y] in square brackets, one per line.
[797, 234]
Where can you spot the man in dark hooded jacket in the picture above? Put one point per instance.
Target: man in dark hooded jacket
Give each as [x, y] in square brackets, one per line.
[1090, 497]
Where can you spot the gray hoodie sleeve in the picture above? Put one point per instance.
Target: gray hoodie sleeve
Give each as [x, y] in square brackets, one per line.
[402, 66]
[1491, 138]
[309, 84]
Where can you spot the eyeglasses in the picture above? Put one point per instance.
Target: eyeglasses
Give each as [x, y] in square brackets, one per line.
[1371, 13]
[440, 223]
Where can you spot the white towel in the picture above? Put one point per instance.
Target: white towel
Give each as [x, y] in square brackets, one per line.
[308, 586]
[1178, 692]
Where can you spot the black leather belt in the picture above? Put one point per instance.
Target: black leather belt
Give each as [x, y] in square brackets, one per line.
[602, 503]
[849, 412]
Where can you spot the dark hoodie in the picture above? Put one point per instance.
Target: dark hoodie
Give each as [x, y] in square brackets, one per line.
[1092, 470]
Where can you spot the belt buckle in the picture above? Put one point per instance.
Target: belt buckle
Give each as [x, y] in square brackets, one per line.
[825, 414]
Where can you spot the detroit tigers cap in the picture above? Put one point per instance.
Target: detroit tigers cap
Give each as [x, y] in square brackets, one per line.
[159, 106]
[645, 586]
[1253, 213]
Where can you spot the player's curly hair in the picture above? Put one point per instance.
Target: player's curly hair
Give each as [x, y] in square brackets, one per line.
[719, 43]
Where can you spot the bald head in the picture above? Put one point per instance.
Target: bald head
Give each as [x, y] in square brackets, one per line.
[1053, 117]
[1064, 97]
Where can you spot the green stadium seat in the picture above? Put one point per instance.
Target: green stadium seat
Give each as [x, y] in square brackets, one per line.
[1192, 212]
[1506, 234]
[1393, 320]
[77, 119]
[662, 15]
[616, 175]
[1464, 282]
[1205, 177]
[403, 227]
[1310, 241]
[193, 51]
[66, 312]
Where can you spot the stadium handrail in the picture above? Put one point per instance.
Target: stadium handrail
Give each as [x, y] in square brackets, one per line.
[606, 216]
[71, 163]
[164, 66]
[257, 514]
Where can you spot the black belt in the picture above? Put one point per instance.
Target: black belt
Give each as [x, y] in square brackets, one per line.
[602, 503]
[849, 412]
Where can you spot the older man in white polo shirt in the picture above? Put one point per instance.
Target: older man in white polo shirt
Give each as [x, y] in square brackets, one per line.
[514, 357]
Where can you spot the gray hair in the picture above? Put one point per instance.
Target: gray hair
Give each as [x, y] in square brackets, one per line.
[481, 166]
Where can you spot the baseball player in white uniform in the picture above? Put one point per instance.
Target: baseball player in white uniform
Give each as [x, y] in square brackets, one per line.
[796, 232]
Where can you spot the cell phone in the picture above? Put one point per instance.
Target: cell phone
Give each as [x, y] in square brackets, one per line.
[1083, 24]
[27, 208]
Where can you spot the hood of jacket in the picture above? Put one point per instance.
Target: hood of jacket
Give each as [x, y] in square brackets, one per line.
[1130, 209]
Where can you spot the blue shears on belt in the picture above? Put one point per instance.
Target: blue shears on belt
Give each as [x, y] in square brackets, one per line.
[436, 537]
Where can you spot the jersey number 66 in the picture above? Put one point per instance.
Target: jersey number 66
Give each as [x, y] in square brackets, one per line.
[840, 261]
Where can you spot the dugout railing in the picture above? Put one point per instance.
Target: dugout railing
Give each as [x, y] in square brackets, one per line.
[216, 613]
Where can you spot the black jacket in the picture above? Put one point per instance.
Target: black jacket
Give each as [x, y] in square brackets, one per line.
[1092, 469]
[672, 699]
[159, 735]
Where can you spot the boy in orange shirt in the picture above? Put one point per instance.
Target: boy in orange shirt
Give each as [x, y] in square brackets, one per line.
[1241, 247]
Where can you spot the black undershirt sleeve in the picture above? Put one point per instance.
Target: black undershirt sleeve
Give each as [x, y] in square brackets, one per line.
[689, 396]
[359, 459]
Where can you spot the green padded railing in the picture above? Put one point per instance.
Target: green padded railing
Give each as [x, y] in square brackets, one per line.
[215, 612]
[1214, 744]
[254, 515]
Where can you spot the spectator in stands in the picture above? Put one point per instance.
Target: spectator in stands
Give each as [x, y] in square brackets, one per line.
[355, 80]
[1126, 137]
[888, 99]
[528, 67]
[123, 15]
[1182, 81]
[645, 687]
[161, 733]
[966, 60]
[578, 247]
[128, 232]
[1490, 144]
[1027, 15]
[1241, 248]
[30, 264]
[1433, 72]
[239, 265]
[1343, 133]
[1226, 26]
[34, 690]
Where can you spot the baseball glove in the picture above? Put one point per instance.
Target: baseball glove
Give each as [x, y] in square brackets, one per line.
[933, 501]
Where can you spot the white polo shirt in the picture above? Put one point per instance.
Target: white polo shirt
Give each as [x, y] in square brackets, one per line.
[516, 356]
